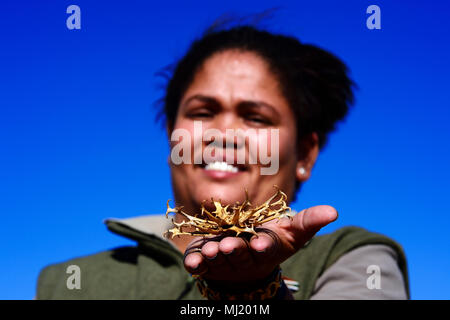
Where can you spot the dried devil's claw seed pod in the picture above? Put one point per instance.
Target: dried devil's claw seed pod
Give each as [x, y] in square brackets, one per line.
[241, 218]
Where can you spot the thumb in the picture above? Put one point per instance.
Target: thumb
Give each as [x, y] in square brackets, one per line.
[308, 222]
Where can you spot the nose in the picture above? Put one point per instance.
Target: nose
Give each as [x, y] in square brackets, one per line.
[227, 131]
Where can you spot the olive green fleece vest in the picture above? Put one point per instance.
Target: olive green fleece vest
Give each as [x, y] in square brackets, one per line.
[154, 268]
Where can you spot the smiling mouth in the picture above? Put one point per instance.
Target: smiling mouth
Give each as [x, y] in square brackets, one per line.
[223, 167]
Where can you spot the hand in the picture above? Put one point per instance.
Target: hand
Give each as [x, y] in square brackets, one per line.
[236, 261]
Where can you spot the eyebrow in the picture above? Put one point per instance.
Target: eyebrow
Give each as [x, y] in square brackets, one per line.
[247, 103]
[202, 98]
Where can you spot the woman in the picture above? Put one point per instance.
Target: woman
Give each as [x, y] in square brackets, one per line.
[248, 79]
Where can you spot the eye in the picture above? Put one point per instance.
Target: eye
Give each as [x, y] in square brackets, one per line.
[258, 119]
[200, 114]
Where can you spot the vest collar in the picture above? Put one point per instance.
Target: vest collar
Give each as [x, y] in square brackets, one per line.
[141, 228]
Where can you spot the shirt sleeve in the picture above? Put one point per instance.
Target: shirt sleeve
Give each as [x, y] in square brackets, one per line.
[369, 272]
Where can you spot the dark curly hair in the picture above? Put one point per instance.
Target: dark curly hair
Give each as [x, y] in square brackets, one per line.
[315, 83]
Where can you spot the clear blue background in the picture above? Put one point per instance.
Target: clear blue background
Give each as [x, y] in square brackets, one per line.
[78, 141]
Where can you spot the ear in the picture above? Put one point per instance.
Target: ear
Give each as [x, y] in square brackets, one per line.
[308, 150]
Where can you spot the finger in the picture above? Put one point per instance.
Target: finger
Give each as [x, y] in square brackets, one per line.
[309, 221]
[195, 263]
[236, 251]
[231, 245]
[263, 246]
[213, 256]
[317, 217]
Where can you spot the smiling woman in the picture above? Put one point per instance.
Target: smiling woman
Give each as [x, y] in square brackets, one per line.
[246, 80]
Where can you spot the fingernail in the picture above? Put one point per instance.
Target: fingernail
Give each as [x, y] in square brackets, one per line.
[228, 253]
[212, 258]
[261, 251]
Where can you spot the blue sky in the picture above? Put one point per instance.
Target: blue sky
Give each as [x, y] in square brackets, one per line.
[78, 141]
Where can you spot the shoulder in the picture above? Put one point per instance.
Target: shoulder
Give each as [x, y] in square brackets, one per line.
[95, 270]
[367, 272]
[349, 238]
[324, 251]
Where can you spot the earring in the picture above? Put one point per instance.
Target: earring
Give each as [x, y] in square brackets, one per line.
[302, 171]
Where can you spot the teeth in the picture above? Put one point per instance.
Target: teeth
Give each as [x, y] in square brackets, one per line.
[221, 166]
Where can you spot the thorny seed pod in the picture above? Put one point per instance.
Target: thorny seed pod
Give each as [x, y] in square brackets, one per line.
[241, 218]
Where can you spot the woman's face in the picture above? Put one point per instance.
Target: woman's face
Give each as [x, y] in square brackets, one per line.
[235, 90]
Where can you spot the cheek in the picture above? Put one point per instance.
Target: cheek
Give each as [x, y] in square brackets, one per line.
[180, 141]
[264, 145]
[287, 157]
[276, 143]
[287, 149]
[286, 177]
[183, 125]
